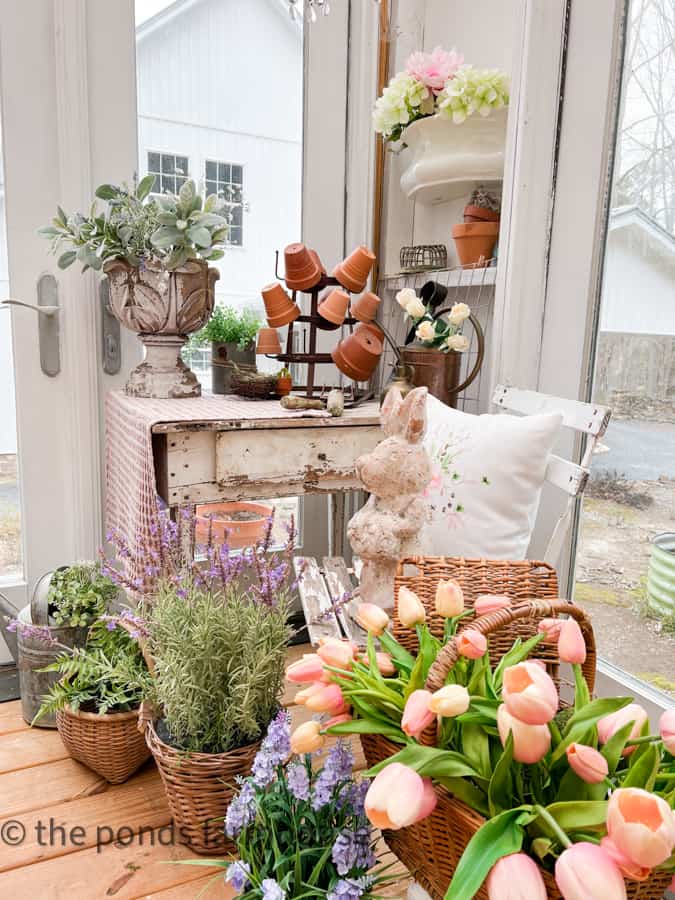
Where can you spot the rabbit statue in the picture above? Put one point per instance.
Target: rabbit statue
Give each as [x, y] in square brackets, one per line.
[395, 473]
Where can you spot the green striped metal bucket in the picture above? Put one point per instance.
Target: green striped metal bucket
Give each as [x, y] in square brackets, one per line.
[661, 575]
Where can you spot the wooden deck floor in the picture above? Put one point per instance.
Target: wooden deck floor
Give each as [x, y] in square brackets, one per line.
[44, 794]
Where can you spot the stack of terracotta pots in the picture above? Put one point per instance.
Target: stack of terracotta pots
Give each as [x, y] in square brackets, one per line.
[475, 239]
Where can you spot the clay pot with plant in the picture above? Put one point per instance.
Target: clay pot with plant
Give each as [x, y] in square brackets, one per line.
[284, 382]
[155, 251]
[475, 239]
[232, 336]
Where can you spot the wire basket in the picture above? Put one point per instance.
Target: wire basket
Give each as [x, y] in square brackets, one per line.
[423, 257]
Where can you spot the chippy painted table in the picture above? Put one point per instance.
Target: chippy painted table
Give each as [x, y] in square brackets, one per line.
[226, 448]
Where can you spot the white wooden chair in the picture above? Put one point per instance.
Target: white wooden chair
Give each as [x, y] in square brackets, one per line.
[588, 420]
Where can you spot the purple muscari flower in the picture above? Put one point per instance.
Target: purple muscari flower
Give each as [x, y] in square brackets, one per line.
[352, 850]
[349, 889]
[272, 890]
[274, 750]
[241, 811]
[336, 770]
[237, 875]
[297, 779]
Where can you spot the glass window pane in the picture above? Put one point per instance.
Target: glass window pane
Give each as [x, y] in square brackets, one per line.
[629, 504]
[237, 215]
[235, 234]
[223, 172]
[153, 162]
[156, 186]
[168, 164]
[169, 183]
[237, 174]
[211, 170]
[211, 188]
[182, 166]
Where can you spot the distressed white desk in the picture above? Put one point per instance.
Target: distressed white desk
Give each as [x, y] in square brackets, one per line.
[258, 458]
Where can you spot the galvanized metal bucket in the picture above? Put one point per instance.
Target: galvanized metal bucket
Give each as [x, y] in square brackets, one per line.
[32, 654]
[661, 575]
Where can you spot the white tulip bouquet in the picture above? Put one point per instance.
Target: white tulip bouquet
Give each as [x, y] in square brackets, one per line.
[436, 332]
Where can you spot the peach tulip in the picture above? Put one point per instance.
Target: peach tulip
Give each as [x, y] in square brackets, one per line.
[328, 699]
[337, 720]
[590, 765]
[586, 872]
[627, 867]
[385, 664]
[449, 599]
[529, 693]
[305, 670]
[641, 826]
[451, 700]
[488, 603]
[307, 738]
[608, 726]
[303, 696]
[410, 609]
[530, 742]
[471, 643]
[667, 730]
[516, 877]
[571, 643]
[551, 628]
[373, 618]
[336, 653]
[399, 797]
[416, 715]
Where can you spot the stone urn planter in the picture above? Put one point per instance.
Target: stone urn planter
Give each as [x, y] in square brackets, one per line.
[163, 307]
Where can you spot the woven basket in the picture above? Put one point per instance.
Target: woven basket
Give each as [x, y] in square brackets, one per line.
[109, 744]
[199, 788]
[254, 388]
[432, 848]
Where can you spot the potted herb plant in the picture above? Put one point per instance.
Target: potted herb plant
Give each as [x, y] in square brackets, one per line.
[435, 357]
[155, 250]
[301, 831]
[64, 604]
[98, 695]
[217, 634]
[232, 336]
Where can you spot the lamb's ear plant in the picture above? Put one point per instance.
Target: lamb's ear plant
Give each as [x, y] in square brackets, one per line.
[139, 227]
[79, 594]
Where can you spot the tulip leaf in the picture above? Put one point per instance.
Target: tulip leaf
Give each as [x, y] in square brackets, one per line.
[574, 788]
[468, 793]
[368, 726]
[429, 761]
[499, 837]
[575, 814]
[476, 746]
[582, 696]
[500, 791]
[643, 773]
[516, 654]
[400, 656]
[613, 749]
[594, 711]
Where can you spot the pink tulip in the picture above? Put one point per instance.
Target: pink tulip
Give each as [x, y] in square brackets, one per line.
[449, 599]
[641, 826]
[590, 765]
[307, 738]
[516, 877]
[451, 700]
[373, 618]
[571, 643]
[328, 699]
[627, 867]
[339, 654]
[667, 730]
[398, 797]
[608, 726]
[417, 716]
[429, 800]
[586, 872]
[302, 696]
[530, 742]
[385, 664]
[337, 720]
[471, 643]
[551, 628]
[529, 693]
[410, 608]
[309, 668]
[489, 603]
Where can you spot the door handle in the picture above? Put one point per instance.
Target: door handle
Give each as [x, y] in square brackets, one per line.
[48, 313]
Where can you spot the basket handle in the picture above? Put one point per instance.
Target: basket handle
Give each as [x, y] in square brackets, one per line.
[149, 661]
[480, 337]
[528, 609]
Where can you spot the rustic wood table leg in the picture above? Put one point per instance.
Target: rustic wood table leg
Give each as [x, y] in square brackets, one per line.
[336, 525]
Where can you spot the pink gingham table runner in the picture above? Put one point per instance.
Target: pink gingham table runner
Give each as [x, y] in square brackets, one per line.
[131, 493]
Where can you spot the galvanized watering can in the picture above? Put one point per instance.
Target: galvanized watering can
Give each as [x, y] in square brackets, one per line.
[31, 654]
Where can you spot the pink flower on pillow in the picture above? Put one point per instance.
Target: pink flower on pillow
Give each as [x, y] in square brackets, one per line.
[436, 483]
[435, 68]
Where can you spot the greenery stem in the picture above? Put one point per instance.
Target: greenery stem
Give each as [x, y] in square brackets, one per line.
[544, 814]
[555, 732]
[646, 739]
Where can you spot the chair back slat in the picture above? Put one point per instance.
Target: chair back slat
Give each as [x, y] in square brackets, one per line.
[589, 418]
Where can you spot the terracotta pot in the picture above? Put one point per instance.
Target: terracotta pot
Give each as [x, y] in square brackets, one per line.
[284, 385]
[333, 308]
[353, 272]
[303, 271]
[357, 355]
[237, 524]
[223, 355]
[317, 259]
[475, 242]
[364, 308]
[279, 308]
[268, 341]
[480, 214]
[371, 328]
[163, 307]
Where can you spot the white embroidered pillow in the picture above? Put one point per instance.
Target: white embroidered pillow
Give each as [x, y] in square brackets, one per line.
[488, 472]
